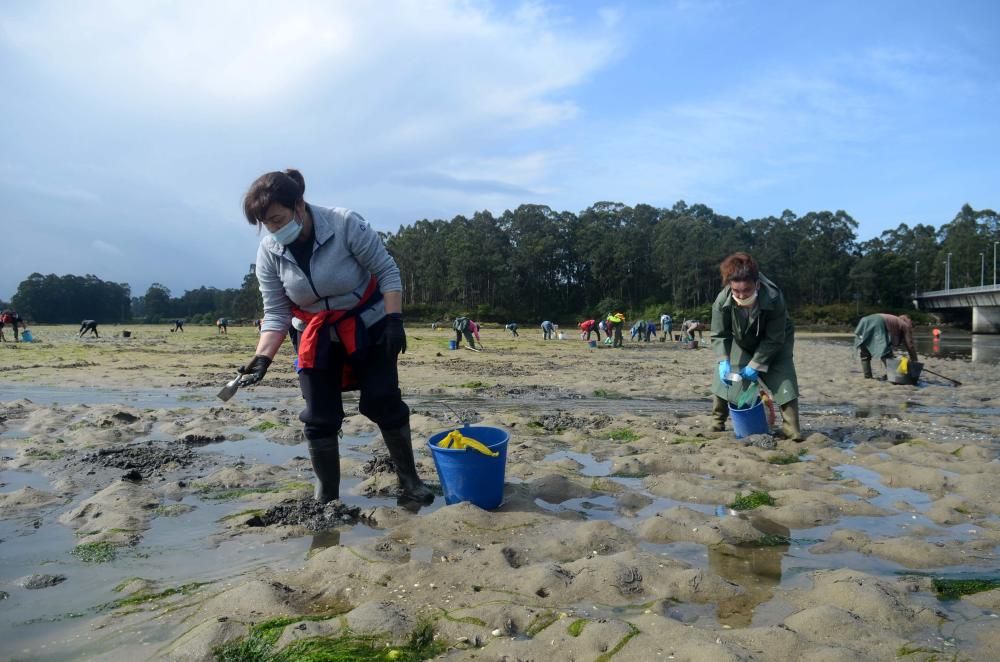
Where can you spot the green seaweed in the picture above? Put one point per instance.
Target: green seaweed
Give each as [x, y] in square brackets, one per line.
[468, 620]
[263, 426]
[953, 589]
[786, 458]
[575, 628]
[349, 647]
[96, 552]
[143, 596]
[239, 492]
[632, 631]
[629, 474]
[753, 500]
[687, 440]
[541, 621]
[623, 434]
[474, 385]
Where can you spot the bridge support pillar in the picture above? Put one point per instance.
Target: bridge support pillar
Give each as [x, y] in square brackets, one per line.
[986, 319]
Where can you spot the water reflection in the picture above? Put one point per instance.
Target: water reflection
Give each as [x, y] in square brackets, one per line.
[951, 344]
[324, 539]
[756, 569]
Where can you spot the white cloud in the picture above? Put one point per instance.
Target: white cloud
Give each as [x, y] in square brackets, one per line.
[104, 247]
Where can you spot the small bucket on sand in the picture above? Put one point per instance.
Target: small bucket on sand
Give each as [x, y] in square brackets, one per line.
[468, 475]
[452, 344]
[126, 334]
[26, 336]
[592, 344]
[677, 337]
[663, 339]
[691, 344]
[910, 378]
[749, 421]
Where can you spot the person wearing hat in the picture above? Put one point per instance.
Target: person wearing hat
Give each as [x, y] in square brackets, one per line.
[877, 335]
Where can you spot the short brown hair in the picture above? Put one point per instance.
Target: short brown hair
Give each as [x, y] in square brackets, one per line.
[284, 188]
[739, 267]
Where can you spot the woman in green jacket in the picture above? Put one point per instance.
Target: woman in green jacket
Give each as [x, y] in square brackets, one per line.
[753, 335]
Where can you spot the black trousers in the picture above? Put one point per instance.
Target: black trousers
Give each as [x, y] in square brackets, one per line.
[381, 400]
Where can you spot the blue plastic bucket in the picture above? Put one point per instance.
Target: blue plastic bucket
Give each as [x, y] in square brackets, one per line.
[593, 344]
[749, 421]
[452, 344]
[467, 474]
[26, 336]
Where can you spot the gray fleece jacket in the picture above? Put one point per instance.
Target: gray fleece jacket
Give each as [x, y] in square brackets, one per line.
[347, 252]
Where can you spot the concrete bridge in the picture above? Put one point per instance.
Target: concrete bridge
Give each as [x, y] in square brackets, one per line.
[984, 301]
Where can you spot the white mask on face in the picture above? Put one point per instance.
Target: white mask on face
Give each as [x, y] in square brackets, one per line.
[745, 303]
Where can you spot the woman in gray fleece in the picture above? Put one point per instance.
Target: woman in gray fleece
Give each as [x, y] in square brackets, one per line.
[328, 281]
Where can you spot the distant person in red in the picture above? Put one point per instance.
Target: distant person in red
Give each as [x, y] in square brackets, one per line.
[589, 326]
[10, 318]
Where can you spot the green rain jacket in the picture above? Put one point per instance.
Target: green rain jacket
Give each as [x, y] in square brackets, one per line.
[764, 341]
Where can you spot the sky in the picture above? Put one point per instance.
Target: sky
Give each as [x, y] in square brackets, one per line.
[131, 130]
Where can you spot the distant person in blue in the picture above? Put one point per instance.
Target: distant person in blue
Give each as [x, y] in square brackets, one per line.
[512, 327]
[667, 322]
[178, 326]
[88, 325]
[650, 330]
[548, 330]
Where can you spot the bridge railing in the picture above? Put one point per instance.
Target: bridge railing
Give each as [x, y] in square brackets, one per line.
[960, 290]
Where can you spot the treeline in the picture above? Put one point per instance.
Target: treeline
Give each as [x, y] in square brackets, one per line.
[534, 263]
[69, 299]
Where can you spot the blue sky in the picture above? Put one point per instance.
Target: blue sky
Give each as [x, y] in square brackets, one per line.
[130, 130]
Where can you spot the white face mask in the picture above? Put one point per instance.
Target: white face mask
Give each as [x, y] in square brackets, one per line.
[745, 303]
[288, 232]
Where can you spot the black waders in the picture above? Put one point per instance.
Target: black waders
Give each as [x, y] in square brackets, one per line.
[325, 455]
[398, 441]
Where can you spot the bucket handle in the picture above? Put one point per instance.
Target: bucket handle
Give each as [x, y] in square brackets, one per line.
[454, 413]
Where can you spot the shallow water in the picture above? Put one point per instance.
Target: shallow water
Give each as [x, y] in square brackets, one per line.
[762, 571]
[952, 344]
[174, 551]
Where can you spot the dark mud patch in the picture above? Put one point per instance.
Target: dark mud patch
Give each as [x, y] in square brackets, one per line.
[489, 369]
[533, 392]
[451, 415]
[562, 420]
[380, 464]
[148, 459]
[309, 513]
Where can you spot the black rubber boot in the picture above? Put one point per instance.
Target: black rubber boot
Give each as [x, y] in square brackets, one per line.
[790, 421]
[398, 441]
[720, 412]
[325, 455]
[866, 367]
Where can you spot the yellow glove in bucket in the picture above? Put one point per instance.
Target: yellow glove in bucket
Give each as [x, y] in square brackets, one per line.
[456, 441]
[904, 364]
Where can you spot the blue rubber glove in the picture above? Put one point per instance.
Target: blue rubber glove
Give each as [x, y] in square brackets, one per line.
[749, 374]
[725, 368]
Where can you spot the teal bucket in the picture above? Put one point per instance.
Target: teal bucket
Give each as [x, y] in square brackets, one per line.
[467, 474]
[592, 344]
[26, 336]
[749, 421]
[452, 344]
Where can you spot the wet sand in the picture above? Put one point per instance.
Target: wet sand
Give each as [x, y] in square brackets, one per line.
[610, 541]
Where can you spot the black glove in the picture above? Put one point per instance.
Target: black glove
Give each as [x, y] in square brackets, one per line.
[395, 336]
[255, 370]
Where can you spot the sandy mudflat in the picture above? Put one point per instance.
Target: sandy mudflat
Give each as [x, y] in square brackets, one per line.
[608, 545]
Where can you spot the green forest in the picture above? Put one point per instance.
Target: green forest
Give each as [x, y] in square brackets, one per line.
[534, 263]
